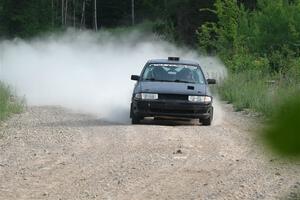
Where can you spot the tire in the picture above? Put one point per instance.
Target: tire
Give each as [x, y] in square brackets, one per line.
[134, 119]
[207, 121]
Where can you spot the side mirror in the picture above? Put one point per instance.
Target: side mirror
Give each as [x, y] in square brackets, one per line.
[135, 77]
[211, 81]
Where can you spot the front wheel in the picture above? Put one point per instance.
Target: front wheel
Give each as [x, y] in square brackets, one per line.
[207, 121]
[134, 119]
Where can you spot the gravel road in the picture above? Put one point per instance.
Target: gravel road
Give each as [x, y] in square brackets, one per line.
[52, 153]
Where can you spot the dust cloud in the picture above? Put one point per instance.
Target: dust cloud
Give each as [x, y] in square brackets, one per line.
[87, 72]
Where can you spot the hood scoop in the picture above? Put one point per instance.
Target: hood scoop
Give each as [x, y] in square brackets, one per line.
[190, 87]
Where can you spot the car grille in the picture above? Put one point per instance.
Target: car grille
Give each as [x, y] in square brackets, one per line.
[174, 111]
[172, 97]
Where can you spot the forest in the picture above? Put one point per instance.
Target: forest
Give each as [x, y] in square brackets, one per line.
[183, 17]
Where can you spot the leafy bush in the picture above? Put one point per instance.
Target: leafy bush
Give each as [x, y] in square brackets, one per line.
[282, 133]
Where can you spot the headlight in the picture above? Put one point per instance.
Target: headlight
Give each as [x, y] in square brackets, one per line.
[202, 99]
[146, 96]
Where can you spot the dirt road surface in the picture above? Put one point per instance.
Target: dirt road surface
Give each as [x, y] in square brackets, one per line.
[52, 153]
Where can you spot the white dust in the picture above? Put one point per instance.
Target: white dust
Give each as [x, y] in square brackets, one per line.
[88, 72]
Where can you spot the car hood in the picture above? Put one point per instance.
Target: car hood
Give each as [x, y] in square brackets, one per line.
[172, 88]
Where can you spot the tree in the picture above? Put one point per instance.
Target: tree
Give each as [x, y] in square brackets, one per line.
[82, 22]
[74, 13]
[62, 12]
[95, 15]
[132, 12]
[25, 18]
[66, 12]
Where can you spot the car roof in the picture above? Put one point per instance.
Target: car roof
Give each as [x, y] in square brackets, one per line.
[166, 61]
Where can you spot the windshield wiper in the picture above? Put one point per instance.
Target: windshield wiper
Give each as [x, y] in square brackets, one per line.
[181, 81]
[153, 79]
[177, 81]
[149, 79]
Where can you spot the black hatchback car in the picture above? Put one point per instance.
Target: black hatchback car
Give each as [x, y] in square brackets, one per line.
[172, 88]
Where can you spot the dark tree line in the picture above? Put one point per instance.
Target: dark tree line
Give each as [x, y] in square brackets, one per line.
[182, 17]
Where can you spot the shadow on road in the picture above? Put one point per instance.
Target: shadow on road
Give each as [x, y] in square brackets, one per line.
[100, 122]
[170, 122]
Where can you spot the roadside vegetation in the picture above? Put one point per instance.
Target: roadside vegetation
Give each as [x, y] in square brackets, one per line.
[260, 47]
[257, 91]
[8, 103]
[283, 134]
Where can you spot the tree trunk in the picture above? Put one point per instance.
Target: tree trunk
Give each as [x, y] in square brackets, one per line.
[74, 13]
[95, 15]
[56, 11]
[62, 12]
[66, 12]
[82, 23]
[52, 13]
[132, 12]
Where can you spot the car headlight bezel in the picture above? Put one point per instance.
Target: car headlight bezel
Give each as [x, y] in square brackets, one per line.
[146, 96]
[200, 99]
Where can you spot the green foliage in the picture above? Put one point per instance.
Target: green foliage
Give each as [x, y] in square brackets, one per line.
[272, 32]
[276, 24]
[282, 133]
[24, 18]
[8, 105]
[225, 31]
[178, 20]
[207, 38]
[228, 14]
[244, 61]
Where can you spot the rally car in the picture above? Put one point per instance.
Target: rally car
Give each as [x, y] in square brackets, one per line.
[172, 88]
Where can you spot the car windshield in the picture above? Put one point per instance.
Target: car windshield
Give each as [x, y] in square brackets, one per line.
[173, 73]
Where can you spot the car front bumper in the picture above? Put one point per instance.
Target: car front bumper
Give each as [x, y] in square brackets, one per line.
[163, 108]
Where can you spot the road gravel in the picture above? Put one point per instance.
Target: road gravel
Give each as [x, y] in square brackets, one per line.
[54, 153]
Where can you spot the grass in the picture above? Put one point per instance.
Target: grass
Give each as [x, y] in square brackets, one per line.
[8, 103]
[257, 91]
